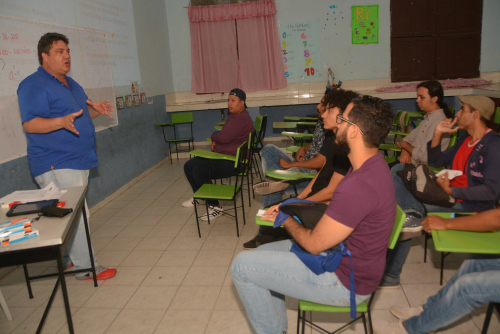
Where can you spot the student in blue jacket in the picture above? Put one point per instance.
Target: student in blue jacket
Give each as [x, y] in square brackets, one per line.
[477, 155]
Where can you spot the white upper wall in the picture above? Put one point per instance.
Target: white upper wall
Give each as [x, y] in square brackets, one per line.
[153, 47]
[349, 62]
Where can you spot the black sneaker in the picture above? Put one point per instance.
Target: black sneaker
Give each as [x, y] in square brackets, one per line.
[252, 244]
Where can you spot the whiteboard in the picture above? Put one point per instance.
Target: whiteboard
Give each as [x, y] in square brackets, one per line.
[90, 67]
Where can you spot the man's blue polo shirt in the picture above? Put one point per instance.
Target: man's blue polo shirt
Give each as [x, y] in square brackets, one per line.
[43, 95]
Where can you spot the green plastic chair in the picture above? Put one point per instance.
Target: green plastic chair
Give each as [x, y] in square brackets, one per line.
[226, 191]
[293, 177]
[363, 308]
[429, 236]
[260, 128]
[177, 119]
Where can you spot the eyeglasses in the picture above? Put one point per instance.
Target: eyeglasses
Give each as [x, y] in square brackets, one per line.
[340, 119]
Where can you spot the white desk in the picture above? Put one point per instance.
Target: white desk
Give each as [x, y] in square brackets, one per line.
[50, 244]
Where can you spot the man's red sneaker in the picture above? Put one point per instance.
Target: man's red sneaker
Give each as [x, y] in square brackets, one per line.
[101, 272]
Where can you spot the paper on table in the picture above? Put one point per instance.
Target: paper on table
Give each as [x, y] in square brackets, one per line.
[25, 196]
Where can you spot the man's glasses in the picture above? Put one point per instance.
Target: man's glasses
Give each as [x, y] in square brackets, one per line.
[340, 119]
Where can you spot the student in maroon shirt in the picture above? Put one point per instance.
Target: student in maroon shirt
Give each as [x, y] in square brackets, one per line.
[234, 132]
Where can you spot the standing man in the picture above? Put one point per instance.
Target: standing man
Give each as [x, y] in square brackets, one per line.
[57, 117]
[361, 212]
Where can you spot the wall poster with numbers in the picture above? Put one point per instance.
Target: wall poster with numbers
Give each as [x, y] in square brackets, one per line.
[300, 49]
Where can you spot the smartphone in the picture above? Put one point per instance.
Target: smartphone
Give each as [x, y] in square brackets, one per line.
[28, 208]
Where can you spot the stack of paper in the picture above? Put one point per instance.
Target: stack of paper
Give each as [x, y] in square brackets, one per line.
[26, 196]
[16, 230]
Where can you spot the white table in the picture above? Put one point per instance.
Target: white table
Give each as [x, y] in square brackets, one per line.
[50, 244]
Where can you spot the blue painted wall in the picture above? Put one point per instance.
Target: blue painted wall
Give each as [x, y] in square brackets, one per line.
[124, 152]
[204, 120]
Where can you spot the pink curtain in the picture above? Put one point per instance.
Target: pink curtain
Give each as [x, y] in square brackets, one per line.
[218, 64]
[261, 64]
[214, 58]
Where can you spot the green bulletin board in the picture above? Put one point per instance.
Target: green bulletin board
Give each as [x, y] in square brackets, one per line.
[364, 24]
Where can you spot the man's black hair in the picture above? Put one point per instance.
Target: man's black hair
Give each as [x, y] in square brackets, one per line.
[339, 98]
[374, 117]
[46, 41]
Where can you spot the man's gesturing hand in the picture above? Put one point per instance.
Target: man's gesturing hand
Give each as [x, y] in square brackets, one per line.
[68, 121]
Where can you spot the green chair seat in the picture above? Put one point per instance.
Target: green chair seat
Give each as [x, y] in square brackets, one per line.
[308, 306]
[297, 135]
[389, 147]
[300, 118]
[219, 191]
[284, 125]
[293, 148]
[218, 128]
[260, 221]
[289, 175]
[180, 140]
[221, 123]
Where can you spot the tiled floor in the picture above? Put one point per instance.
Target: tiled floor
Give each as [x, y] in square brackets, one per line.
[171, 281]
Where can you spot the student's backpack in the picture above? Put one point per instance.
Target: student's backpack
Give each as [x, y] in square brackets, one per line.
[421, 182]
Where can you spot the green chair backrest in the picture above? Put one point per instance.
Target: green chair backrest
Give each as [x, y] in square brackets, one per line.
[258, 122]
[496, 119]
[396, 229]
[238, 154]
[183, 117]
[453, 139]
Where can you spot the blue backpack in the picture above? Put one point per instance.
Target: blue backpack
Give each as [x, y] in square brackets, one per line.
[326, 261]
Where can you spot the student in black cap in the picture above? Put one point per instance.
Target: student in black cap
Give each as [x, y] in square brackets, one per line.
[234, 132]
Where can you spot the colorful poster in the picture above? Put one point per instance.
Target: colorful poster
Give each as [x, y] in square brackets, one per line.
[364, 24]
[300, 49]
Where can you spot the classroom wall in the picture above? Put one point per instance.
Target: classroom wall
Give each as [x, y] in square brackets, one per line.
[135, 145]
[349, 62]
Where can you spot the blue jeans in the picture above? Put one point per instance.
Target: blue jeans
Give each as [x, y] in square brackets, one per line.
[475, 283]
[77, 250]
[199, 171]
[265, 276]
[410, 205]
[271, 156]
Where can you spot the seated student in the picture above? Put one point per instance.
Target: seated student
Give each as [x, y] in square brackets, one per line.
[306, 159]
[475, 283]
[476, 155]
[361, 211]
[414, 146]
[323, 184]
[234, 132]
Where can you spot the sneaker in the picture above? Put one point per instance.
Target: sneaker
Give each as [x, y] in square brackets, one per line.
[388, 285]
[381, 326]
[190, 202]
[404, 313]
[102, 274]
[214, 212]
[69, 266]
[412, 224]
[268, 187]
[252, 244]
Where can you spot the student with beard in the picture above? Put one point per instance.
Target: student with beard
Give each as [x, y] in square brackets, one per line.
[322, 186]
[361, 212]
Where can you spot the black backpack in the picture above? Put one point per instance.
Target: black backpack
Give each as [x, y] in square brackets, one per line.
[421, 182]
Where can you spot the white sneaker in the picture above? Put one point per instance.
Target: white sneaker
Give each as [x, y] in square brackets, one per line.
[213, 213]
[381, 326]
[404, 313]
[190, 202]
